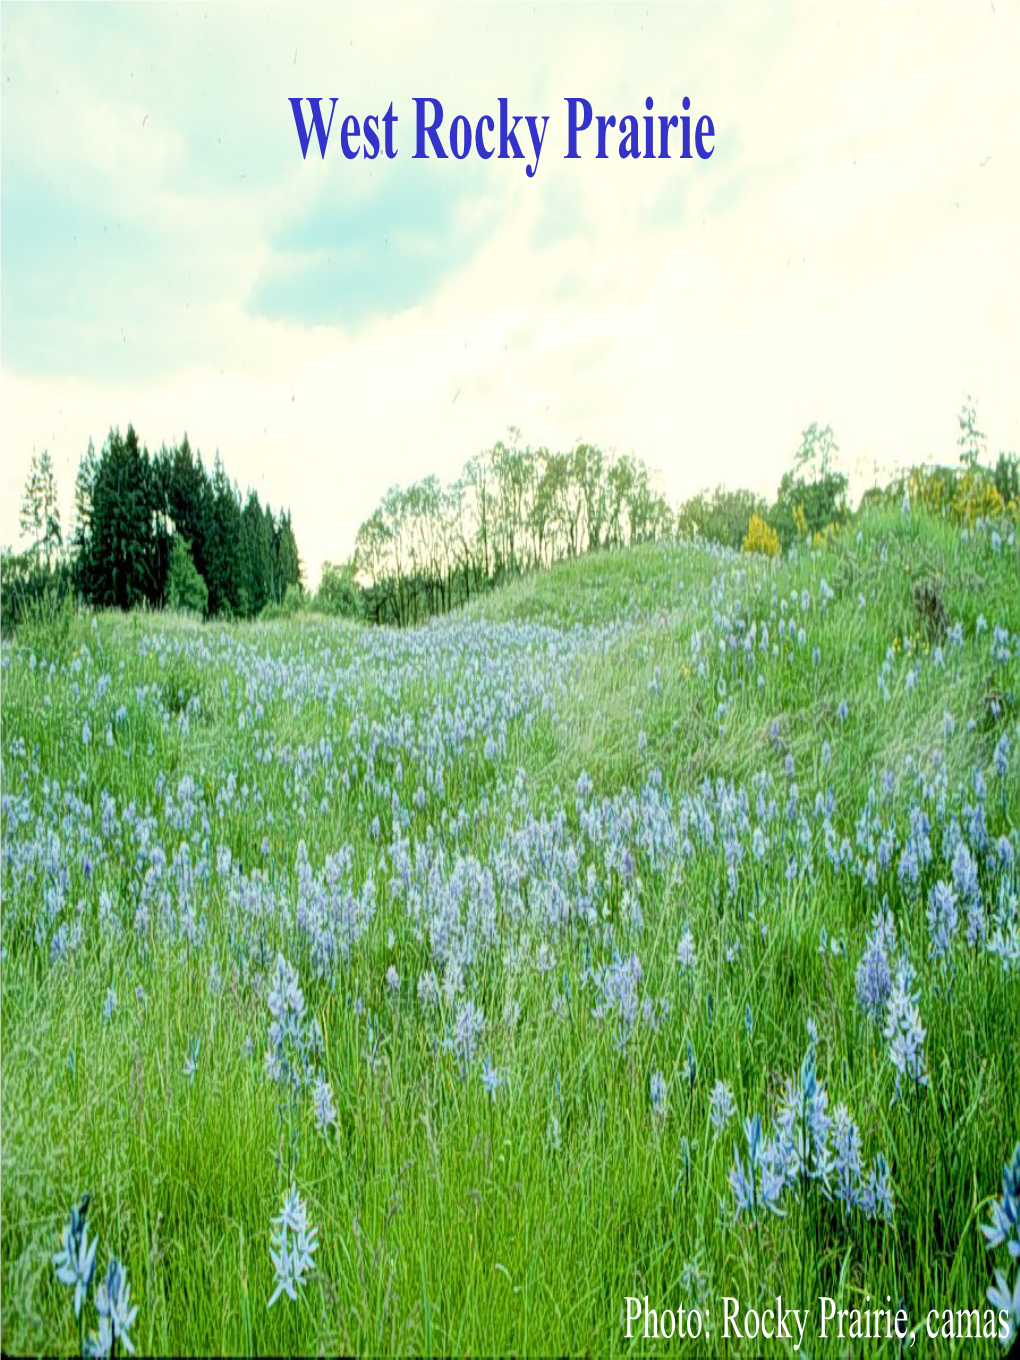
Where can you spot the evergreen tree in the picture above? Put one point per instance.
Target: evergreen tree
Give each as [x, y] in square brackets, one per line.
[256, 557]
[125, 550]
[189, 497]
[222, 548]
[288, 563]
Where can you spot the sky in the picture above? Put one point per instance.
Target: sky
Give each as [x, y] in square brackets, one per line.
[847, 255]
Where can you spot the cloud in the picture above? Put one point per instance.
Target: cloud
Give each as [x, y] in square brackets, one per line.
[343, 258]
[847, 255]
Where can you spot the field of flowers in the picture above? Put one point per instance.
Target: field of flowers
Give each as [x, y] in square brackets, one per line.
[649, 929]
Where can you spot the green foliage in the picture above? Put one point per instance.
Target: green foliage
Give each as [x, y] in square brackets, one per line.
[339, 593]
[40, 512]
[971, 440]
[185, 588]
[30, 590]
[812, 495]
[761, 538]
[720, 516]
[130, 507]
[122, 562]
[428, 548]
[441, 1211]
[1007, 478]
[295, 601]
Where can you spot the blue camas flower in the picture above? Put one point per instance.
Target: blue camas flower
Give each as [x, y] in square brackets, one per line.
[116, 1316]
[657, 1091]
[295, 1241]
[75, 1262]
[1004, 1230]
[322, 1097]
[904, 1031]
[722, 1107]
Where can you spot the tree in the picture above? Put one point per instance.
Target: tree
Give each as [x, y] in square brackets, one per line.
[720, 516]
[971, 440]
[339, 593]
[818, 449]
[812, 495]
[288, 562]
[588, 467]
[188, 498]
[256, 551]
[40, 512]
[223, 545]
[123, 555]
[185, 588]
[1007, 478]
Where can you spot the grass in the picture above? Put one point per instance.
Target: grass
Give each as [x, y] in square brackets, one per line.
[448, 760]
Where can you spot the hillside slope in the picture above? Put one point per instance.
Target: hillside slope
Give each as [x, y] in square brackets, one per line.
[495, 937]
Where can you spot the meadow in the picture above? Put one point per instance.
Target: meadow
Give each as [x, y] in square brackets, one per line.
[649, 927]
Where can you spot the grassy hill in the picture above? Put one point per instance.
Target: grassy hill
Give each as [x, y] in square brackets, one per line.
[489, 937]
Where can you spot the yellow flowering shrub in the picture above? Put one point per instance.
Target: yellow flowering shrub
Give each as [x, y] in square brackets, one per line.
[976, 495]
[761, 537]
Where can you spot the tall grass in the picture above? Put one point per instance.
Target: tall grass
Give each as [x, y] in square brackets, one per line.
[298, 763]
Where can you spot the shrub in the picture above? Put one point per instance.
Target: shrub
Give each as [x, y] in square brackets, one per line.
[31, 590]
[339, 594]
[185, 588]
[761, 538]
[1007, 479]
[719, 516]
[976, 496]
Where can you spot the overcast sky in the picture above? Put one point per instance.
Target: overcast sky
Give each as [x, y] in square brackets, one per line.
[849, 254]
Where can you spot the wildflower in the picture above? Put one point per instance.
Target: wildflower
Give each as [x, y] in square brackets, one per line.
[294, 1243]
[905, 1032]
[686, 952]
[1001, 757]
[492, 1079]
[75, 1262]
[846, 1146]
[553, 1137]
[393, 979]
[322, 1097]
[428, 991]
[722, 1106]
[110, 1004]
[755, 1187]
[1005, 1225]
[191, 1062]
[942, 919]
[804, 1124]
[1001, 1300]
[876, 1197]
[289, 1056]
[657, 1091]
[116, 1316]
[467, 1027]
[618, 987]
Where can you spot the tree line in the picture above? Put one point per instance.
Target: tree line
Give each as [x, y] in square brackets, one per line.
[162, 530]
[428, 547]
[156, 530]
